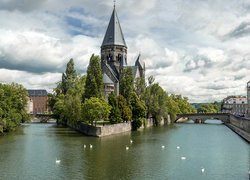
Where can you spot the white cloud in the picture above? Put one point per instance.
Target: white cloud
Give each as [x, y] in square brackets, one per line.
[199, 49]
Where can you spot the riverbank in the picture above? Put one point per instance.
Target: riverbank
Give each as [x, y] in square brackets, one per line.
[240, 132]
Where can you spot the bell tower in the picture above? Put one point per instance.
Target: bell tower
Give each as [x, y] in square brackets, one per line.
[114, 48]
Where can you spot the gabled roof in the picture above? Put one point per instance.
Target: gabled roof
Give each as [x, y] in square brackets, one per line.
[37, 92]
[114, 35]
[106, 79]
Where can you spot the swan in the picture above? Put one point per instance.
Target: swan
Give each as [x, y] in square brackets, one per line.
[202, 170]
[127, 148]
[178, 147]
[84, 146]
[90, 146]
[183, 158]
[58, 161]
[162, 146]
[131, 141]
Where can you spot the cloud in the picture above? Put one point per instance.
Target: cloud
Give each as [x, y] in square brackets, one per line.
[202, 53]
[242, 30]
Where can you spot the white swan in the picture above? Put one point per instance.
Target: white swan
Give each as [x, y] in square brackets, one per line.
[90, 146]
[202, 170]
[178, 147]
[183, 158]
[58, 161]
[127, 148]
[163, 147]
[131, 141]
[84, 146]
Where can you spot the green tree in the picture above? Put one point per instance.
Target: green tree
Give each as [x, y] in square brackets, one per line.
[94, 83]
[73, 100]
[138, 111]
[156, 101]
[127, 84]
[208, 108]
[13, 103]
[95, 109]
[115, 114]
[68, 77]
[140, 86]
[126, 112]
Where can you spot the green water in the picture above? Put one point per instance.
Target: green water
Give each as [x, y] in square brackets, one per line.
[31, 153]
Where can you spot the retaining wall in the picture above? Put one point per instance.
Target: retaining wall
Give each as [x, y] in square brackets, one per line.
[100, 131]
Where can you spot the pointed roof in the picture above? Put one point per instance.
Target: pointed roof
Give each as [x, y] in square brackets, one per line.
[114, 35]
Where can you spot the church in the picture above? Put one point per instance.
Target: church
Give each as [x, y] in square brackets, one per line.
[114, 57]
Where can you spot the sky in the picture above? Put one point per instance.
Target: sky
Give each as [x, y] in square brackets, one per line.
[197, 48]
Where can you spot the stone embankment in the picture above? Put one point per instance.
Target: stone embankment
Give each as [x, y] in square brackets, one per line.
[240, 125]
[100, 131]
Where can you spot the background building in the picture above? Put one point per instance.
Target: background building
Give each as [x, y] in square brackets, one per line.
[40, 101]
[235, 105]
[248, 98]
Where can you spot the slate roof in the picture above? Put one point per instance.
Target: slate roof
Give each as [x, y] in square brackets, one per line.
[106, 79]
[37, 92]
[114, 35]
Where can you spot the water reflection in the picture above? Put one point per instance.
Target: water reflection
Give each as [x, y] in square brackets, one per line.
[31, 152]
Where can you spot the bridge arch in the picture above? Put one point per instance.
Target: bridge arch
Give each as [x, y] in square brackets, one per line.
[202, 117]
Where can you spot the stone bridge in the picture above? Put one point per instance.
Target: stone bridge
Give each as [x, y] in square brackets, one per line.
[202, 117]
[43, 118]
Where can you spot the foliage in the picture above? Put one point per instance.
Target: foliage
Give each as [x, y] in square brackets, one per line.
[156, 101]
[126, 112]
[127, 84]
[73, 100]
[13, 102]
[208, 108]
[66, 102]
[95, 109]
[140, 86]
[94, 83]
[68, 77]
[138, 111]
[115, 114]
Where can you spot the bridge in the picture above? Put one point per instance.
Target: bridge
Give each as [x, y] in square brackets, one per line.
[202, 117]
[239, 125]
[43, 118]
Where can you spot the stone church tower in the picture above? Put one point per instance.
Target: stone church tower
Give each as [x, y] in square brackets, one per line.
[114, 57]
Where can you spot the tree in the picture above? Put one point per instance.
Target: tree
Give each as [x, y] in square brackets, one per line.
[140, 86]
[94, 82]
[126, 112]
[155, 99]
[95, 109]
[68, 77]
[138, 111]
[127, 84]
[13, 102]
[73, 100]
[208, 108]
[115, 114]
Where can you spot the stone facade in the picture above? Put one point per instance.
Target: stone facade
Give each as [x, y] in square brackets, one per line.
[114, 57]
[235, 105]
[100, 131]
[248, 98]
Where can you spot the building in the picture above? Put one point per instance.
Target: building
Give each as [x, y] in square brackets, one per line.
[235, 105]
[40, 101]
[29, 106]
[114, 57]
[248, 98]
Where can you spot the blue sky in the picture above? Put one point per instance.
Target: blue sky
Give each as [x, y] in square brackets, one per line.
[197, 48]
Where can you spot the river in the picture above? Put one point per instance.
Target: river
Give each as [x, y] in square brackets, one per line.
[31, 153]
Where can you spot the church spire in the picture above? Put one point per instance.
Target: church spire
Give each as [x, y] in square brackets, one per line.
[114, 35]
